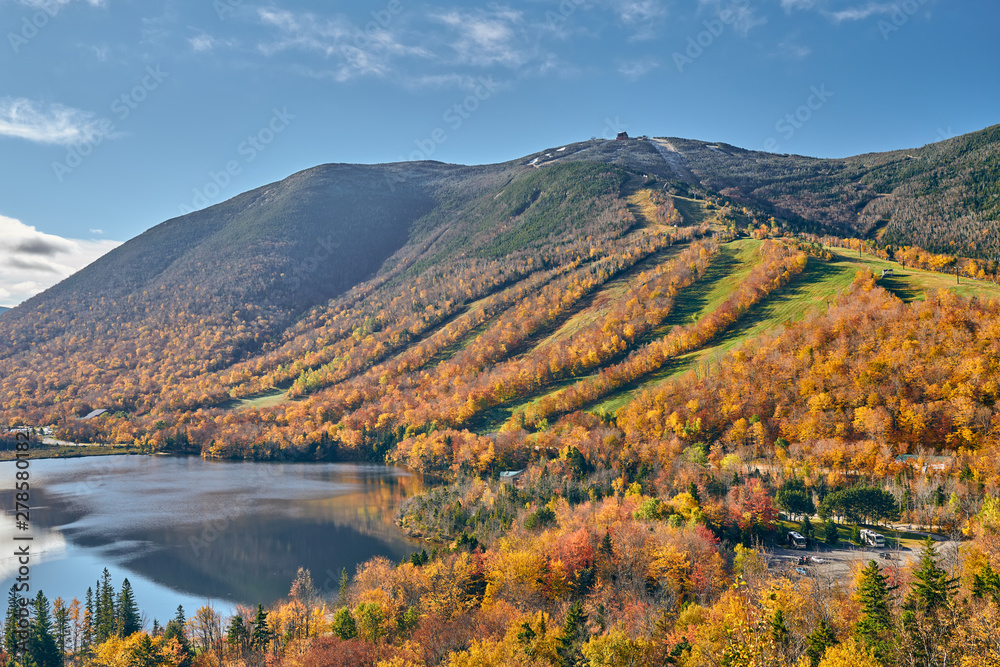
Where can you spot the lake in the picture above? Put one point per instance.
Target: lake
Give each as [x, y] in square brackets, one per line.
[188, 531]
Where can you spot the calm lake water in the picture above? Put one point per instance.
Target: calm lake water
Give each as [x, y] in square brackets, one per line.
[188, 531]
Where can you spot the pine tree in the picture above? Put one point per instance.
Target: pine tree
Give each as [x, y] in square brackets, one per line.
[42, 649]
[144, 653]
[344, 625]
[874, 629]
[607, 548]
[693, 490]
[127, 621]
[61, 628]
[926, 618]
[88, 621]
[807, 527]
[779, 630]
[986, 584]
[105, 621]
[344, 581]
[238, 636]
[175, 630]
[261, 635]
[830, 532]
[932, 587]
[574, 633]
[818, 641]
[10, 622]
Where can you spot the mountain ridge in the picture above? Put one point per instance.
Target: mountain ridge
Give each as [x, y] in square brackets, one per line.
[346, 287]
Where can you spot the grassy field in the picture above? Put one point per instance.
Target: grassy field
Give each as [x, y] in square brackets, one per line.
[594, 307]
[692, 210]
[894, 539]
[265, 400]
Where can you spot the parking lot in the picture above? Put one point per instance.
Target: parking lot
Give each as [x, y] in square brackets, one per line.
[834, 564]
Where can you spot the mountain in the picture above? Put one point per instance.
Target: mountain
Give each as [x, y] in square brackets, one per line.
[944, 197]
[3, 309]
[350, 306]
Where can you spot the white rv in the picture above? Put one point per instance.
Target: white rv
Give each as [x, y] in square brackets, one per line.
[872, 539]
[796, 540]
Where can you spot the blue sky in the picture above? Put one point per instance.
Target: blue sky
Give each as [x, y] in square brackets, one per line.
[118, 114]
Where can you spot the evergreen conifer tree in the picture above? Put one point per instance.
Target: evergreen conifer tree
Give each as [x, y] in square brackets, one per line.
[925, 618]
[238, 636]
[607, 547]
[42, 649]
[574, 633]
[175, 630]
[932, 587]
[830, 532]
[344, 625]
[875, 628]
[818, 641]
[10, 622]
[61, 630]
[261, 635]
[127, 619]
[105, 612]
[779, 630]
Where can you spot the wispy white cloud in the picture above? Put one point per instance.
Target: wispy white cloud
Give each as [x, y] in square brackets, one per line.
[158, 29]
[47, 123]
[644, 16]
[840, 11]
[32, 261]
[205, 43]
[52, 7]
[791, 49]
[453, 46]
[742, 16]
[444, 81]
[101, 51]
[789, 5]
[353, 53]
[637, 68]
[862, 13]
[303, 31]
[490, 37]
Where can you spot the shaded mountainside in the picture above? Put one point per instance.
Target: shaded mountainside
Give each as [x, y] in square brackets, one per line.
[197, 294]
[351, 306]
[944, 197]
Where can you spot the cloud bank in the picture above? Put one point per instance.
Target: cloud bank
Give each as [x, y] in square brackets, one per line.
[32, 261]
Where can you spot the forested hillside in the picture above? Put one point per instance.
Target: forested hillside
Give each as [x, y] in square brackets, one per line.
[666, 342]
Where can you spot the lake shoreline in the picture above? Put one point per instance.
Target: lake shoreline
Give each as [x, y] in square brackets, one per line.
[41, 451]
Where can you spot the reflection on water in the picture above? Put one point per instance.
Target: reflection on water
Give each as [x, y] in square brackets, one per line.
[184, 529]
